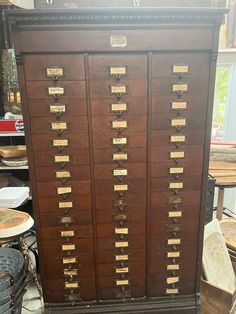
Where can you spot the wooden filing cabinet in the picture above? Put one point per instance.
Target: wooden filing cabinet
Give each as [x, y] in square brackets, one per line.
[117, 110]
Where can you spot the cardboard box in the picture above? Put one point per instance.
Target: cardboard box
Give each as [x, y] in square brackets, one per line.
[214, 300]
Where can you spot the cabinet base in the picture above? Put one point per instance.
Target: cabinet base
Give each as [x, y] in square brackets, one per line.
[180, 305]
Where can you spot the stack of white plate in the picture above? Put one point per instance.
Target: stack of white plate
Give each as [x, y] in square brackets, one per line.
[12, 197]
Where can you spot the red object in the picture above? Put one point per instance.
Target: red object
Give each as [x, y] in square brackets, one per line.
[12, 126]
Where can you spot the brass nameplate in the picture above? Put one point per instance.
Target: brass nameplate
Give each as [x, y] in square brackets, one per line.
[122, 270]
[118, 107]
[120, 217]
[121, 244]
[62, 174]
[179, 69]
[121, 230]
[172, 280]
[174, 200]
[120, 187]
[57, 108]
[172, 291]
[120, 156]
[118, 89]
[172, 267]
[64, 190]
[173, 254]
[59, 143]
[175, 214]
[68, 247]
[119, 141]
[176, 185]
[58, 126]
[123, 282]
[118, 71]
[55, 72]
[119, 124]
[69, 260]
[71, 285]
[67, 220]
[70, 272]
[179, 105]
[178, 122]
[66, 234]
[176, 154]
[176, 170]
[177, 138]
[62, 158]
[174, 228]
[118, 41]
[120, 172]
[174, 241]
[180, 87]
[122, 257]
[56, 91]
[65, 205]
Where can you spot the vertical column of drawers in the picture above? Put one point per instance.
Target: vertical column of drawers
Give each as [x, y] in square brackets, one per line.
[179, 106]
[118, 85]
[59, 133]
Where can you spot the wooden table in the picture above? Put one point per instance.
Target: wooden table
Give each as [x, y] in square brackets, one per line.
[225, 175]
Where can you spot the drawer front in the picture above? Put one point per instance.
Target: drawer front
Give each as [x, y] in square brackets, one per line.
[71, 173]
[42, 158]
[70, 67]
[79, 218]
[51, 204]
[45, 107]
[124, 66]
[109, 156]
[76, 141]
[51, 189]
[135, 170]
[39, 89]
[67, 125]
[110, 107]
[56, 232]
[121, 232]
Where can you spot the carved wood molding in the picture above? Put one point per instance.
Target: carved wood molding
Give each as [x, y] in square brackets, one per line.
[44, 17]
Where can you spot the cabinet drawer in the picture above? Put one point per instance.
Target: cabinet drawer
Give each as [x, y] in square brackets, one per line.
[171, 229]
[130, 105]
[191, 153]
[110, 269]
[51, 204]
[164, 86]
[50, 174]
[106, 172]
[132, 155]
[134, 88]
[166, 121]
[160, 242]
[50, 125]
[50, 189]
[39, 89]
[83, 249]
[108, 256]
[114, 230]
[73, 107]
[170, 169]
[108, 244]
[54, 233]
[87, 290]
[45, 141]
[136, 279]
[135, 66]
[192, 183]
[133, 139]
[42, 158]
[132, 123]
[50, 220]
[35, 66]
[106, 201]
[192, 137]
[195, 104]
[126, 187]
[131, 214]
[197, 63]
